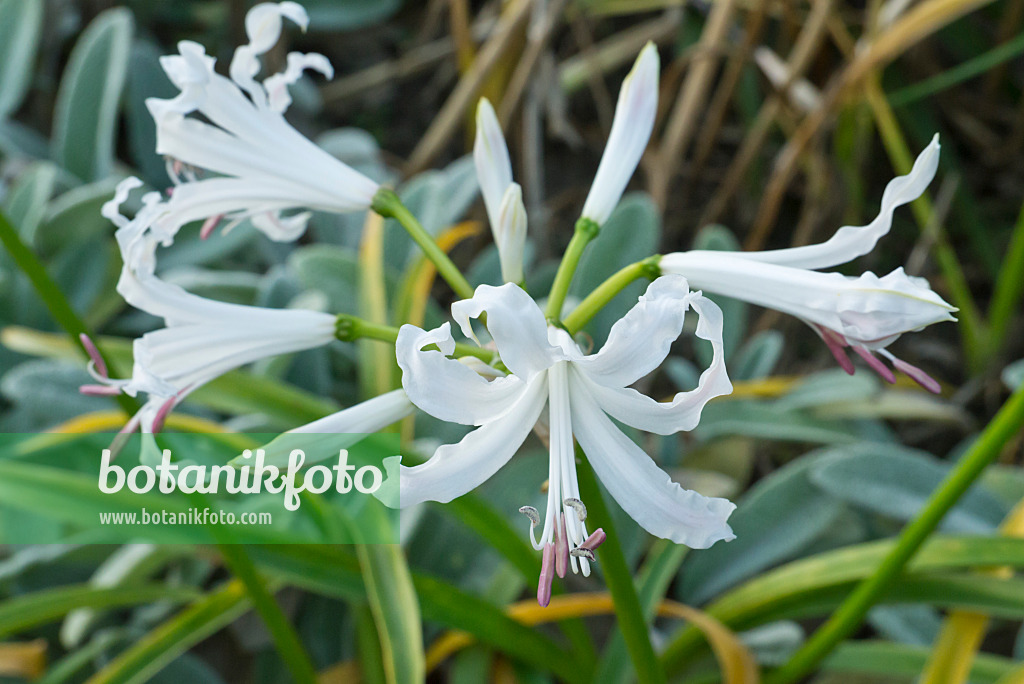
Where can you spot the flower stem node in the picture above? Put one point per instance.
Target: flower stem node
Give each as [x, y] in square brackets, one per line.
[386, 203]
[650, 267]
[587, 228]
[346, 328]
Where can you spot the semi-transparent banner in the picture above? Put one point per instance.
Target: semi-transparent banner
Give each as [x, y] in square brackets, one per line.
[190, 488]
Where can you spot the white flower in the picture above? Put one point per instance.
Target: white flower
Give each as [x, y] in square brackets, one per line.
[631, 129]
[583, 394]
[203, 338]
[262, 165]
[502, 198]
[865, 313]
[340, 430]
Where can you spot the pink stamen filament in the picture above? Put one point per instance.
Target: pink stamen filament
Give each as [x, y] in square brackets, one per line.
[917, 375]
[94, 355]
[162, 413]
[209, 225]
[99, 390]
[876, 365]
[561, 547]
[836, 345]
[547, 575]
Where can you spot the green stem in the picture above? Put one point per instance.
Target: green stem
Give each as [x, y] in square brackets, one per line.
[281, 631]
[53, 298]
[850, 614]
[619, 578]
[586, 230]
[1009, 287]
[351, 328]
[387, 204]
[606, 291]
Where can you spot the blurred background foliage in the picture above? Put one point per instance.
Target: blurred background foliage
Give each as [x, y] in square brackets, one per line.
[779, 121]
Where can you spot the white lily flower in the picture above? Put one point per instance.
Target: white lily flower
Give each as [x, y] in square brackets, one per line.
[631, 129]
[502, 198]
[203, 338]
[865, 313]
[262, 165]
[583, 394]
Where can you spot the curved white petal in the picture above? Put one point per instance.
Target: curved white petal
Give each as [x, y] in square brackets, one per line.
[323, 438]
[490, 154]
[510, 234]
[263, 26]
[644, 490]
[867, 309]
[112, 209]
[263, 23]
[640, 340]
[516, 324]
[281, 228]
[850, 242]
[445, 388]
[277, 85]
[631, 129]
[683, 411]
[456, 469]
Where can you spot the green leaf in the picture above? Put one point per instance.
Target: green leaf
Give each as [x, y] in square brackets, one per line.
[158, 648]
[770, 420]
[758, 357]
[26, 203]
[333, 571]
[815, 585]
[630, 234]
[1013, 375]
[20, 25]
[781, 515]
[74, 217]
[395, 609]
[22, 613]
[905, 661]
[896, 481]
[89, 96]
[146, 78]
[909, 624]
[653, 581]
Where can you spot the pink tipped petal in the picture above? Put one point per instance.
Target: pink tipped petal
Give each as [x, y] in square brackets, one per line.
[595, 539]
[876, 365]
[99, 390]
[547, 566]
[94, 354]
[917, 375]
[561, 547]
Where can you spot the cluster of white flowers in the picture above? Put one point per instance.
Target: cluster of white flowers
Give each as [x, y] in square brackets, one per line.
[243, 160]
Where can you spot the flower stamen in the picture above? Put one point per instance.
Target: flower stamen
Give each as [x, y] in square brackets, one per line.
[547, 566]
[883, 371]
[578, 506]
